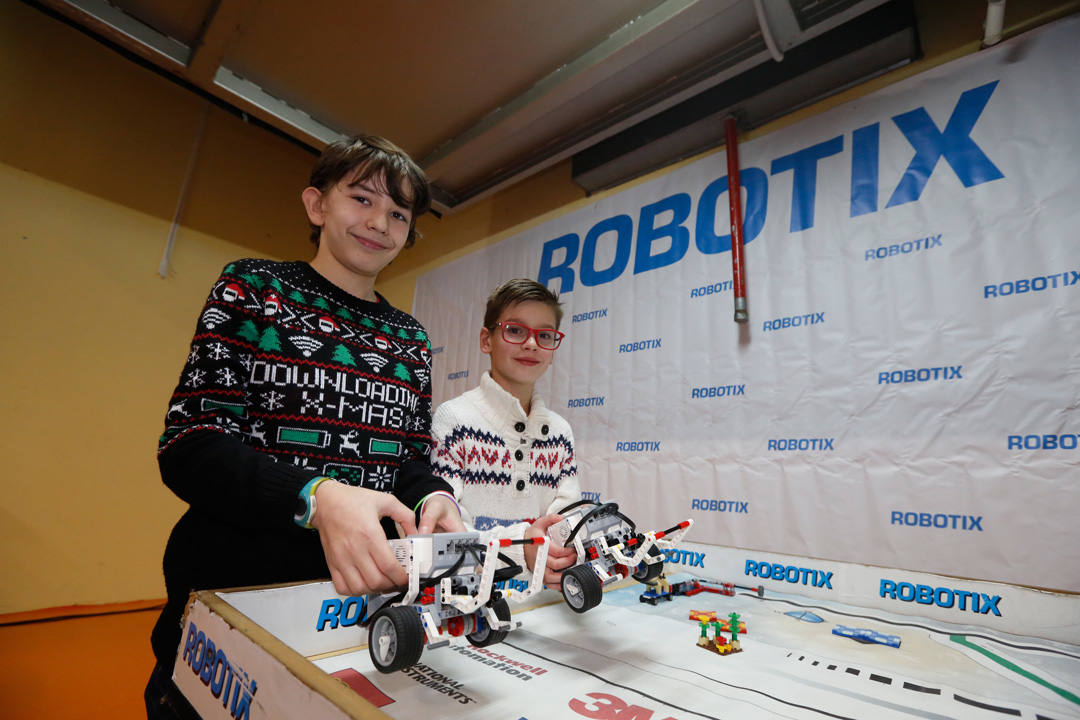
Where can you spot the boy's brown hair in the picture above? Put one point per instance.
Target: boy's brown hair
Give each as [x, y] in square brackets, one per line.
[519, 290]
[371, 157]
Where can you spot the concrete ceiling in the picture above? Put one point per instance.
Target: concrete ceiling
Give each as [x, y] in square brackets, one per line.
[482, 93]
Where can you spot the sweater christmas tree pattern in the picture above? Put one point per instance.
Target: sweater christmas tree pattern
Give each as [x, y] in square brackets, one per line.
[297, 368]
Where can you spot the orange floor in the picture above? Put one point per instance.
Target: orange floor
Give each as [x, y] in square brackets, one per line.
[86, 667]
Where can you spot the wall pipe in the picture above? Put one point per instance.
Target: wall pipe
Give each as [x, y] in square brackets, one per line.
[738, 268]
[181, 200]
[995, 20]
[766, 32]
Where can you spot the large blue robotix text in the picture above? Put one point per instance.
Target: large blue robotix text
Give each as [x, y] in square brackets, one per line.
[663, 237]
[222, 678]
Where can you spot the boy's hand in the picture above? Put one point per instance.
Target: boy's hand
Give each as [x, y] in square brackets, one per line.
[353, 541]
[559, 558]
[440, 512]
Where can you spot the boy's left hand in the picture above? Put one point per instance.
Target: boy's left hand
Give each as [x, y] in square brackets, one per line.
[440, 512]
[559, 557]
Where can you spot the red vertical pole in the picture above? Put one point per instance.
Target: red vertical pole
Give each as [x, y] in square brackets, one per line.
[738, 269]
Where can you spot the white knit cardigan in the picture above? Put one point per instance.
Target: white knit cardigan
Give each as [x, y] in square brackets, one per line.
[506, 468]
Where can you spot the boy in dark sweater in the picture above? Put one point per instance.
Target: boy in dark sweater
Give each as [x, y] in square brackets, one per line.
[299, 431]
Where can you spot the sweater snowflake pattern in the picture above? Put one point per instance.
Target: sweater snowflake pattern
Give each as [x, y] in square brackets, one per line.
[288, 377]
[506, 468]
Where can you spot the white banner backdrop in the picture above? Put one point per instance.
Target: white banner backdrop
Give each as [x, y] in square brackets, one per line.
[907, 391]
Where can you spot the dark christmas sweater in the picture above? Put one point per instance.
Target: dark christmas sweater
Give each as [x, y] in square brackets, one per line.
[288, 377]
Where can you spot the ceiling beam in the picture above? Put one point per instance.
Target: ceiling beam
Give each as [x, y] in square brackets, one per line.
[218, 31]
[627, 45]
[118, 27]
[200, 66]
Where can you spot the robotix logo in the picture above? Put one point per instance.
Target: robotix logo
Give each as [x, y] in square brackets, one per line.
[512, 584]
[437, 350]
[717, 391]
[1068, 441]
[640, 446]
[664, 228]
[458, 375]
[1035, 284]
[591, 496]
[980, 603]
[711, 505]
[794, 444]
[789, 573]
[346, 613]
[706, 290]
[640, 345]
[897, 377]
[684, 557]
[793, 321]
[937, 520]
[904, 248]
[586, 316]
[224, 680]
[597, 401]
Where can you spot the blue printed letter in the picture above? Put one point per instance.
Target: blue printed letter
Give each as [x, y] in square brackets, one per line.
[955, 144]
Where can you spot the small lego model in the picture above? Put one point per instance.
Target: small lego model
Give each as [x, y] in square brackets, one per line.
[710, 616]
[449, 598]
[866, 636]
[600, 534]
[734, 626]
[712, 633]
[659, 589]
[693, 587]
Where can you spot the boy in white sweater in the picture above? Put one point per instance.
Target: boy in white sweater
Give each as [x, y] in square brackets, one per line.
[510, 459]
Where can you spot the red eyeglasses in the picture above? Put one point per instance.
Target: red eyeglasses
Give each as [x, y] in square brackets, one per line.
[519, 334]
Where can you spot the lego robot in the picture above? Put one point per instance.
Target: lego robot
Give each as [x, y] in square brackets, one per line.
[602, 537]
[449, 598]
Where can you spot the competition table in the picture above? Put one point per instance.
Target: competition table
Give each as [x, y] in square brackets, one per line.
[623, 660]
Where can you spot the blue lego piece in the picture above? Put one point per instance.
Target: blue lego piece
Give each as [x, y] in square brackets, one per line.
[865, 635]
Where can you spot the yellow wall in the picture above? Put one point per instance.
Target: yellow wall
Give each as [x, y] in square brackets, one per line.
[93, 152]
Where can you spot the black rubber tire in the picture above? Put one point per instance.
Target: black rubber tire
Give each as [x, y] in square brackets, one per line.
[646, 572]
[487, 636]
[581, 588]
[395, 639]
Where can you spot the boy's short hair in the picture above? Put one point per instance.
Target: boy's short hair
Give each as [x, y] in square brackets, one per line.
[519, 290]
[371, 156]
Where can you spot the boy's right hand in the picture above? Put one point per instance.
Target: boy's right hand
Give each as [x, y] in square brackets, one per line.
[353, 541]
